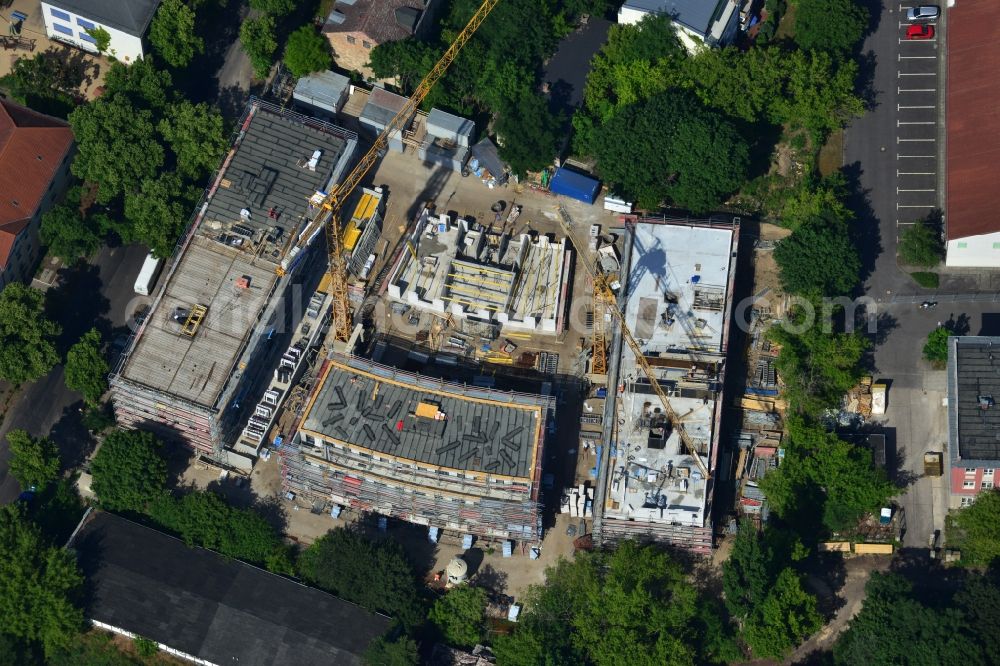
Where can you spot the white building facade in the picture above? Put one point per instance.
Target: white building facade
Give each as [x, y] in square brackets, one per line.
[126, 21]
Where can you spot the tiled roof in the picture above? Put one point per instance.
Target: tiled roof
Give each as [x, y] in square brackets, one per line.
[378, 19]
[32, 148]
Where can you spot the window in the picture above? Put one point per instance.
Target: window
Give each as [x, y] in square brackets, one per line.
[968, 484]
[351, 39]
[989, 471]
[986, 485]
[966, 501]
[59, 27]
[59, 15]
[87, 38]
[962, 246]
[970, 470]
[366, 44]
[84, 23]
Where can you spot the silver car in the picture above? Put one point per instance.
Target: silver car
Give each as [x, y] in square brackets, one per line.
[923, 13]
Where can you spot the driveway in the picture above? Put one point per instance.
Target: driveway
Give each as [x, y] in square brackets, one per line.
[99, 294]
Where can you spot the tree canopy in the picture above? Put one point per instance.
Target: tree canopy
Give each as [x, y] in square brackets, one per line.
[38, 586]
[34, 461]
[830, 25]
[459, 616]
[276, 7]
[975, 530]
[920, 245]
[819, 258]
[936, 347]
[307, 52]
[68, 232]
[129, 471]
[27, 336]
[86, 369]
[633, 605]
[669, 148]
[257, 38]
[172, 33]
[530, 135]
[373, 574]
[400, 652]
[159, 210]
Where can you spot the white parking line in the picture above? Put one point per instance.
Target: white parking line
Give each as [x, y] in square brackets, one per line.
[900, 123]
[918, 41]
[903, 224]
[928, 157]
[900, 57]
[915, 90]
[914, 173]
[900, 74]
[898, 190]
[900, 107]
[898, 206]
[898, 140]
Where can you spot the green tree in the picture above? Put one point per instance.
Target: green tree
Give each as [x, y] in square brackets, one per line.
[830, 25]
[86, 369]
[172, 33]
[276, 7]
[102, 38]
[117, 146]
[27, 336]
[529, 134]
[819, 93]
[920, 245]
[669, 148]
[197, 136]
[747, 575]
[819, 258]
[159, 211]
[307, 52]
[257, 38]
[400, 652]
[34, 462]
[824, 478]
[786, 617]
[975, 530]
[459, 616]
[68, 234]
[129, 470]
[407, 60]
[893, 627]
[373, 574]
[817, 365]
[39, 585]
[936, 347]
[140, 84]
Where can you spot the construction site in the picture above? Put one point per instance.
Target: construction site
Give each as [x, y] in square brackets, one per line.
[234, 290]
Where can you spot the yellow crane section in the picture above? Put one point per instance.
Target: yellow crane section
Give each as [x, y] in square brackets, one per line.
[329, 212]
[602, 287]
[599, 357]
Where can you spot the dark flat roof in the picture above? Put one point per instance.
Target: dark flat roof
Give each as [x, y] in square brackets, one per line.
[131, 16]
[973, 118]
[374, 408]
[205, 605]
[976, 371]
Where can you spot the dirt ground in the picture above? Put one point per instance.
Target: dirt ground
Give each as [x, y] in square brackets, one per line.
[34, 28]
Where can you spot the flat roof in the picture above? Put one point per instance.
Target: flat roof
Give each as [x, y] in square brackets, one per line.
[130, 16]
[267, 170]
[974, 372]
[212, 607]
[694, 14]
[677, 286]
[384, 410]
[973, 118]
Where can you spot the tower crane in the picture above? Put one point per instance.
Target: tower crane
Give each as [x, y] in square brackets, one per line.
[329, 210]
[606, 294]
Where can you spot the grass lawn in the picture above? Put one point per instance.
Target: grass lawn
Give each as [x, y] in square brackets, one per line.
[926, 279]
[831, 155]
[786, 27]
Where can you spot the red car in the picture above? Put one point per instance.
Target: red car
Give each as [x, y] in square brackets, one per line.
[920, 31]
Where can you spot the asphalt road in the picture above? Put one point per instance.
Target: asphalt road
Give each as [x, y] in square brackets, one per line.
[99, 294]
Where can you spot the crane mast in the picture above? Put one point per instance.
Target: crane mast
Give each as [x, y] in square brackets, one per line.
[606, 296]
[329, 211]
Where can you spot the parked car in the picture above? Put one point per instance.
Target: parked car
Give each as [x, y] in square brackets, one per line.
[921, 31]
[923, 13]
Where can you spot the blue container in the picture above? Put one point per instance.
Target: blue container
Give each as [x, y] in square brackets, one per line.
[574, 185]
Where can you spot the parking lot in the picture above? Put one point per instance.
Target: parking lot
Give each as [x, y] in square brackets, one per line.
[919, 118]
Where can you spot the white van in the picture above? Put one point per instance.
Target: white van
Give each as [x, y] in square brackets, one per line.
[147, 275]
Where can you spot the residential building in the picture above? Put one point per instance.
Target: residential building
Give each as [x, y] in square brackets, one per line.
[35, 155]
[208, 609]
[355, 27]
[972, 127]
[224, 317]
[698, 23]
[677, 302]
[428, 451]
[973, 417]
[126, 21]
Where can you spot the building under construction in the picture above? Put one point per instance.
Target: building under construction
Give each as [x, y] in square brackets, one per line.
[678, 305]
[449, 456]
[233, 292]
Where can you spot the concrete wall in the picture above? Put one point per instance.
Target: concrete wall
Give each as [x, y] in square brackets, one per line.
[124, 47]
[975, 251]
